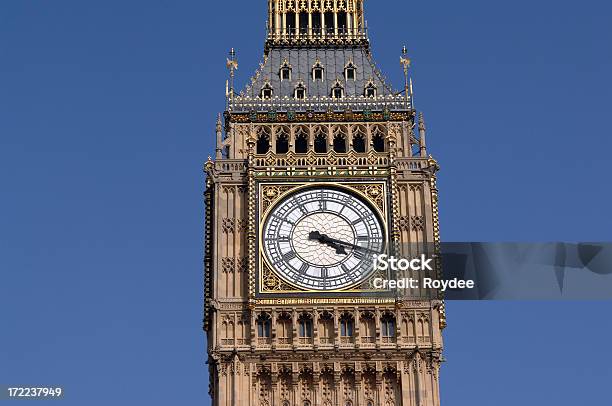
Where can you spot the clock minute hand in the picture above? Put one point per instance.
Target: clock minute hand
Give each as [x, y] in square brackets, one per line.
[348, 244]
[323, 239]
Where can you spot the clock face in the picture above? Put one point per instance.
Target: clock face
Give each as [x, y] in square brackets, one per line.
[322, 239]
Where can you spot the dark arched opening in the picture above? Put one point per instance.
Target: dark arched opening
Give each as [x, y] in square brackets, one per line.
[301, 144]
[378, 143]
[282, 143]
[329, 22]
[340, 144]
[320, 144]
[291, 28]
[342, 27]
[263, 144]
[303, 23]
[359, 144]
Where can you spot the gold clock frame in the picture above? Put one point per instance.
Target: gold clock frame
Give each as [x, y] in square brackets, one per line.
[269, 283]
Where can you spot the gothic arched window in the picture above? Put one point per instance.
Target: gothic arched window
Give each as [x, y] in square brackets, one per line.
[284, 328]
[317, 71]
[359, 144]
[340, 144]
[370, 91]
[305, 326]
[266, 92]
[320, 142]
[350, 71]
[337, 91]
[378, 140]
[316, 24]
[304, 23]
[326, 328]
[263, 325]
[282, 141]
[291, 28]
[301, 141]
[299, 92]
[329, 22]
[342, 20]
[347, 326]
[285, 71]
[263, 143]
[388, 325]
[368, 328]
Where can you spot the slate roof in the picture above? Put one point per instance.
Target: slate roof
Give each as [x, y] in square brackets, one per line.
[333, 60]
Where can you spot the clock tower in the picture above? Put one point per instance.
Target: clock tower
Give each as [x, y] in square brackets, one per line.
[320, 165]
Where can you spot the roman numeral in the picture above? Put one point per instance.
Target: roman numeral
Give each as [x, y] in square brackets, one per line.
[300, 206]
[347, 272]
[288, 256]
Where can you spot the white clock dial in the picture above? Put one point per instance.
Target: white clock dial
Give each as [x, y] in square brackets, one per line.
[322, 239]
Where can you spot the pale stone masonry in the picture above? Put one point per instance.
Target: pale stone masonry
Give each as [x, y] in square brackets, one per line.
[318, 115]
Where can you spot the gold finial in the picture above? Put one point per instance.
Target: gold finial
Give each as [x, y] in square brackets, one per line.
[232, 65]
[406, 62]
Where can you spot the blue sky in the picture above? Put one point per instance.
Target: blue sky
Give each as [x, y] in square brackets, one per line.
[107, 112]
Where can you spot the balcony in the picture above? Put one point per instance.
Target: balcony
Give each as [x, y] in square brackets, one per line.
[250, 104]
[285, 341]
[388, 340]
[305, 341]
[316, 35]
[347, 340]
[264, 341]
[409, 340]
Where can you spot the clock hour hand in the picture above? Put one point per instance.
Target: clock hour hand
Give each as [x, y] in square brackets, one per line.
[323, 239]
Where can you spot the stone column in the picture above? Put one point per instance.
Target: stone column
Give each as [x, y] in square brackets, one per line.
[377, 338]
[358, 385]
[336, 18]
[273, 330]
[309, 19]
[356, 329]
[284, 30]
[336, 397]
[336, 329]
[315, 328]
[406, 385]
[294, 328]
[223, 386]
[235, 379]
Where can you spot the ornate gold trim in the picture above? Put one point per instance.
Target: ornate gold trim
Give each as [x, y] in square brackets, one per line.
[319, 117]
[371, 192]
[252, 232]
[434, 167]
[208, 260]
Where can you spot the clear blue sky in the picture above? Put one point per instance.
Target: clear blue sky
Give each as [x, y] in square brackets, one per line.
[107, 112]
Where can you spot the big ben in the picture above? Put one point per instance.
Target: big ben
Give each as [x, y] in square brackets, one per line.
[320, 166]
